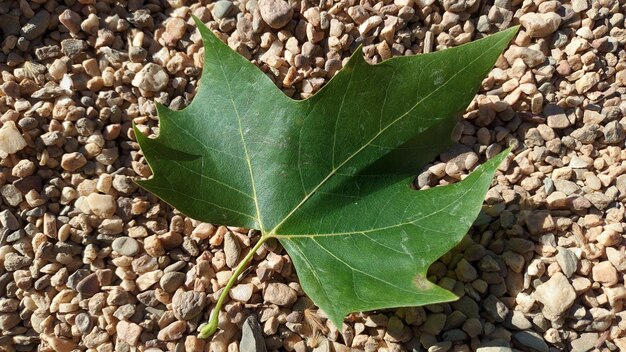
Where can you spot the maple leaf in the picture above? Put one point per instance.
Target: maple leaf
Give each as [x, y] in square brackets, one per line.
[329, 176]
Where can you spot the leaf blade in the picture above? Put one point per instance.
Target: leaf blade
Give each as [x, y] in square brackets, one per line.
[431, 238]
[244, 154]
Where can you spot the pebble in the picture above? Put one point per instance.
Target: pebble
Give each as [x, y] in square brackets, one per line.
[125, 246]
[73, 161]
[188, 305]
[276, 13]
[538, 25]
[613, 132]
[11, 138]
[532, 340]
[232, 249]
[89, 285]
[279, 294]
[586, 342]
[252, 336]
[8, 220]
[605, 273]
[14, 261]
[222, 9]
[151, 78]
[128, 332]
[71, 20]
[556, 295]
[530, 57]
[556, 117]
[102, 205]
[567, 261]
[465, 272]
[83, 322]
[36, 26]
[171, 281]
[145, 281]
[242, 292]
[173, 331]
[495, 308]
[434, 324]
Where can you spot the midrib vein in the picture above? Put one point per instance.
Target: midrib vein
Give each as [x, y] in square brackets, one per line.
[245, 150]
[378, 134]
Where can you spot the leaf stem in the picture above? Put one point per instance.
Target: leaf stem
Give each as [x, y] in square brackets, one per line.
[211, 327]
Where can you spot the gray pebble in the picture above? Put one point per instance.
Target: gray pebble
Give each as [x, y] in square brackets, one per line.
[83, 322]
[188, 305]
[495, 308]
[171, 281]
[8, 220]
[251, 336]
[531, 339]
[126, 246]
[567, 260]
[222, 9]
[36, 26]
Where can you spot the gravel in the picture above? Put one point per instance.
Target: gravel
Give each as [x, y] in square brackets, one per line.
[90, 261]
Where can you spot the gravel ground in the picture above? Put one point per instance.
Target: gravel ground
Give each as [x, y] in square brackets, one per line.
[91, 262]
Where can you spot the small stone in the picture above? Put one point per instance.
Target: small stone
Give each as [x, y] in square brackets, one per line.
[518, 321]
[568, 261]
[188, 305]
[601, 319]
[530, 57]
[8, 220]
[148, 279]
[128, 332]
[579, 5]
[616, 258]
[605, 273]
[531, 339]
[252, 336]
[472, 327]
[36, 26]
[539, 25]
[125, 246]
[151, 78]
[11, 195]
[71, 20]
[539, 222]
[59, 344]
[171, 281]
[172, 332]
[280, 294]
[14, 261]
[176, 28]
[586, 82]
[242, 292]
[11, 140]
[398, 332]
[222, 9]
[102, 205]
[556, 295]
[83, 322]
[88, 286]
[496, 309]
[556, 117]
[194, 344]
[434, 324]
[465, 272]
[73, 161]
[276, 13]
[586, 342]
[613, 132]
[232, 249]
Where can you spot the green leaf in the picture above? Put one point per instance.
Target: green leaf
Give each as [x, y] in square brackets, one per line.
[329, 176]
